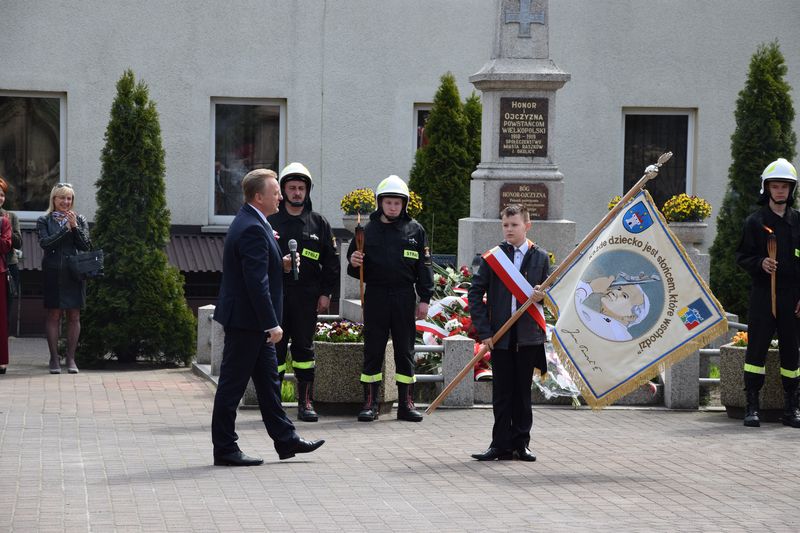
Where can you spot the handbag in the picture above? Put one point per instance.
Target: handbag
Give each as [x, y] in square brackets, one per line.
[12, 287]
[86, 265]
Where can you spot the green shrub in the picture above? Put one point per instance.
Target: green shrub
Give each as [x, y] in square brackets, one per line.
[764, 115]
[138, 310]
[442, 168]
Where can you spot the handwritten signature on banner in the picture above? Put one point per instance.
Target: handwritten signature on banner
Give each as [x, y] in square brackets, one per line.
[583, 348]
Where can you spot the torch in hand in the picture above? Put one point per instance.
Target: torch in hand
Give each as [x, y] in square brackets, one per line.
[359, 233]
[772, 251]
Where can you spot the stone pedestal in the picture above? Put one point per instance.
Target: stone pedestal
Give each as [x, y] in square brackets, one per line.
[731, 382]
[458, 351]
[337, 387]
[475, 236]
[692, 235]
[204, 318]
[217, 344]
[681, 380]
[682, 384]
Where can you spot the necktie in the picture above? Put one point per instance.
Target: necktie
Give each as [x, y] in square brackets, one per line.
[517, 265]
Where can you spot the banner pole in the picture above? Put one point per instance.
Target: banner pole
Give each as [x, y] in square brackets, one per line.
[650, 173]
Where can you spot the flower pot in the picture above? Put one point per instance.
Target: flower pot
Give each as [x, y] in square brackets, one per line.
[349, 222]
[731, 384]
[337, 386]
[689, 233]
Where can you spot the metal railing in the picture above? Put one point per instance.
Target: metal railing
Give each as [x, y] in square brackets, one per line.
[705, 352]
[439, 378]
[418, 348]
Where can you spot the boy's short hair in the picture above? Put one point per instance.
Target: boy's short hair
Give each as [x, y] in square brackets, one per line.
[515, 209]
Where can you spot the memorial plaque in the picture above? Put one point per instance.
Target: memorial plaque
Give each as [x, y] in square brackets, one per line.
[523, 127]
[531, 195]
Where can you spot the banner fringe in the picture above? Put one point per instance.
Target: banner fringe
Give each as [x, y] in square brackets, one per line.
[642, 378]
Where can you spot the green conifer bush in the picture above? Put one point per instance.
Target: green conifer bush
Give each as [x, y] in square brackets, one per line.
[442, 169]
[764, 115]
[138, 310]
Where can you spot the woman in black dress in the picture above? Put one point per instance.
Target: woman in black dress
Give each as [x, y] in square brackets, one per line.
[62, 233]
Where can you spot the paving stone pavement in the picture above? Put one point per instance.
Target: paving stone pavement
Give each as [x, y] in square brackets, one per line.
[130, 451]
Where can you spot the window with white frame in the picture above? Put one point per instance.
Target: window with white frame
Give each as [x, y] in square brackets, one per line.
[246, 134]
[31, 149]
[421, 113]
[651, 132]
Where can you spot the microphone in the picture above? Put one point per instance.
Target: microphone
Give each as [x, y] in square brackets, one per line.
[293, 257]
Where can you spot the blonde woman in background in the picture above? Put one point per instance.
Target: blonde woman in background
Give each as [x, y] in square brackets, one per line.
[62, 233]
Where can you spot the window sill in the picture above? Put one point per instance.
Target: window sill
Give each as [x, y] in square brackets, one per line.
[214, 228]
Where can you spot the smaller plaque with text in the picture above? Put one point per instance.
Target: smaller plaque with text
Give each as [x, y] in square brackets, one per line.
[532, 195]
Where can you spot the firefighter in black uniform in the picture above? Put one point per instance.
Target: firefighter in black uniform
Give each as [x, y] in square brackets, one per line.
[778, 185]
[396, 260]
[318, 274]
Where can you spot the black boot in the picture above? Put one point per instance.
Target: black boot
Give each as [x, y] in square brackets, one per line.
[305, 402]
[791, 413]
[751, 413]
[405, 403]
[369, 411]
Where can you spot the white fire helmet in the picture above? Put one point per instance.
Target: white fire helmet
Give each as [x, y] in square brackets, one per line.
[392, 186]
[295, 171]
[779, 170]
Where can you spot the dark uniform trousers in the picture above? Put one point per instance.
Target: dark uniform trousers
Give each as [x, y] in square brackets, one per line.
[246, 354]
[760, 328]
[512, 378]
[389, 309]
[299, 324]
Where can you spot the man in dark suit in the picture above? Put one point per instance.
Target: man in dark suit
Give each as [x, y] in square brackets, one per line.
[250, 307]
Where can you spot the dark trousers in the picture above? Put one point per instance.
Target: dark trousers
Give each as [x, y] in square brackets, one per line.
[299, 324]
[246, 355]
[512, 377]
[389, 310]
[13, 270]
[761, 325]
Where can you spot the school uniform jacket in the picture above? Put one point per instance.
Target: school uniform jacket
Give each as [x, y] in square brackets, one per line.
[488, 317]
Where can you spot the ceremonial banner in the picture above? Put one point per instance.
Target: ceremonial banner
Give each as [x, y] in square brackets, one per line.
[630, 305]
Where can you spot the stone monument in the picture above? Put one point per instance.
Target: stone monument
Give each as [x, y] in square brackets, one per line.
[518, 165]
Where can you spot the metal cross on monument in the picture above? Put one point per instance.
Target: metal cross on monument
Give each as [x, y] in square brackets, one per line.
[525, 17]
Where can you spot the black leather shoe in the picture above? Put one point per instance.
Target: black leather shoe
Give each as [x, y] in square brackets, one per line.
[493, 454]
[301, 446]
[524, 454]
[237, 459]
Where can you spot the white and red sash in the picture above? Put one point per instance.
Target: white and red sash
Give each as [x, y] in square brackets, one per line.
[514, 281]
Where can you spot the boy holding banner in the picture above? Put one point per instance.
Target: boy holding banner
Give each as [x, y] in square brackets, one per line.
[508, 275]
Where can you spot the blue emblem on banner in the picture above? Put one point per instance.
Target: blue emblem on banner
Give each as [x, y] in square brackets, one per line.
[637, 218]
[694, 313]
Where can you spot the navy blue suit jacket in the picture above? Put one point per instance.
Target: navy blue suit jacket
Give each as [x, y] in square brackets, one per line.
[251, 294]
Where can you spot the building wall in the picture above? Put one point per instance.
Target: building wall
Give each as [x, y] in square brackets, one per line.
[351, 70]
[654, 53]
